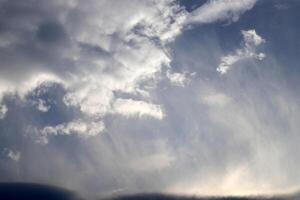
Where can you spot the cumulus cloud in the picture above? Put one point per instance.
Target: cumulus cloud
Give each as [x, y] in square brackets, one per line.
[77, 46]
[93, 49]
[220, 10]
[251, 41]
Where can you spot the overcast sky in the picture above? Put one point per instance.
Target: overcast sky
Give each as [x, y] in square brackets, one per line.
[175, 96]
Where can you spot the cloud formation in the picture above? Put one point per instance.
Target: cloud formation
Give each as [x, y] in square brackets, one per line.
[15, 156]
[79, 127]
[103, 96]
[251, 41]
[129, 107]
[93, 51]
[220, 10]
[117, 57]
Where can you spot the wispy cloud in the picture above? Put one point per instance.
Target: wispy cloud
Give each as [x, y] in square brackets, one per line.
[220, 10]
[251, 41]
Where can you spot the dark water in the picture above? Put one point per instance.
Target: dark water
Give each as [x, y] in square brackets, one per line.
[27, 191]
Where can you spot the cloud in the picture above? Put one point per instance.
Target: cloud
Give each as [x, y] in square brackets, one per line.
[220, 10]
[41, 105]
[91, 80]
[15, 156]
[180, 79]
[129, 107]
[3, 110]
[91, 55]
[79, 127]
[11, 154]
[93, 49]
[251, 41]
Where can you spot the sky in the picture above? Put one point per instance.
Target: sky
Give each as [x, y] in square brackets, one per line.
[187, 97]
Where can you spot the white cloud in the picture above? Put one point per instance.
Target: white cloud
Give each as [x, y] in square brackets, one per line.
[3, 110]
[129, 107]
[220, 10]
[251, 41]
[79, 127]
[179, 79]
[96, 48]
[99, 48]
[117, 49]
[41, 105]
[13, 155]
